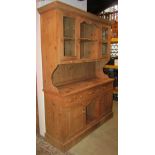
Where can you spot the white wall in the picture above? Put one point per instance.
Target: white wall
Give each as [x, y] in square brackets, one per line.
[40, 95]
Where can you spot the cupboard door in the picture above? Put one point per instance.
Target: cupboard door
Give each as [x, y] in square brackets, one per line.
[106, 102]
[102, 105]
[88, 40]
[104, 41]
[105, 49]
[109, 100]
[73, 120]
[92, 112]
[69, 36]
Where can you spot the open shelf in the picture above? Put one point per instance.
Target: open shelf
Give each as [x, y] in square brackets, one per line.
[87, 39]
[77, 61]
[69, 38]
[75, 87]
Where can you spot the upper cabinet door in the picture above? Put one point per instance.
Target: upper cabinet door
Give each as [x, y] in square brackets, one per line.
[88, 40]
[105, 42]
[69, 37]
[82, 39]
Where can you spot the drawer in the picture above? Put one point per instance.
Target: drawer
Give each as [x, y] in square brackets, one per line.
[99, 89]
[84, 96]
[77, 98]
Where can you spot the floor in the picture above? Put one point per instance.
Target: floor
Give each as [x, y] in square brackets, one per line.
[102, 141]
[44, 148]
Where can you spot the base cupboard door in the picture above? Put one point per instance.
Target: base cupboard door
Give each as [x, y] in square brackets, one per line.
[106, 103]
[73, 120]
[102, 106]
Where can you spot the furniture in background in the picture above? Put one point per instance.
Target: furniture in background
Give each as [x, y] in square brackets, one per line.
[78, 95]
[111, 69]
[112, 72]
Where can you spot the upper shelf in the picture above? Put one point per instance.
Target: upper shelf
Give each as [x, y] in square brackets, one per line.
[69, 38]
[87, 39]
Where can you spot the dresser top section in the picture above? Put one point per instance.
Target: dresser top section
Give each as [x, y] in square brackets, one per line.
[67, 8]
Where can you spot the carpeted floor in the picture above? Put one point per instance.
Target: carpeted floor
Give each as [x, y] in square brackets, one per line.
[44, 148]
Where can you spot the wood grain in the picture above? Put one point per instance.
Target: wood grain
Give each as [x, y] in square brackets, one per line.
[78, 95]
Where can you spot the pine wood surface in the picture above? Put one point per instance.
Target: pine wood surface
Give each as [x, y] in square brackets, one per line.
[78, 95]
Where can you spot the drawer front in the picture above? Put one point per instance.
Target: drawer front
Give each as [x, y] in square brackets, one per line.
[85, 96]
[98, 90]
[73, 99]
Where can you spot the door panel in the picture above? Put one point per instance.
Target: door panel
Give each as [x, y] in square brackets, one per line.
[74, 120]
[106, 103]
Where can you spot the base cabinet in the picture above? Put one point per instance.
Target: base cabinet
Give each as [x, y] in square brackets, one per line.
[69, 118]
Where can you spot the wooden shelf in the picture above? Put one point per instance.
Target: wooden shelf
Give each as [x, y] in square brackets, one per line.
[111, 66]
[75, 87]
[69, 38]
[71, 60]
[87, 39]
